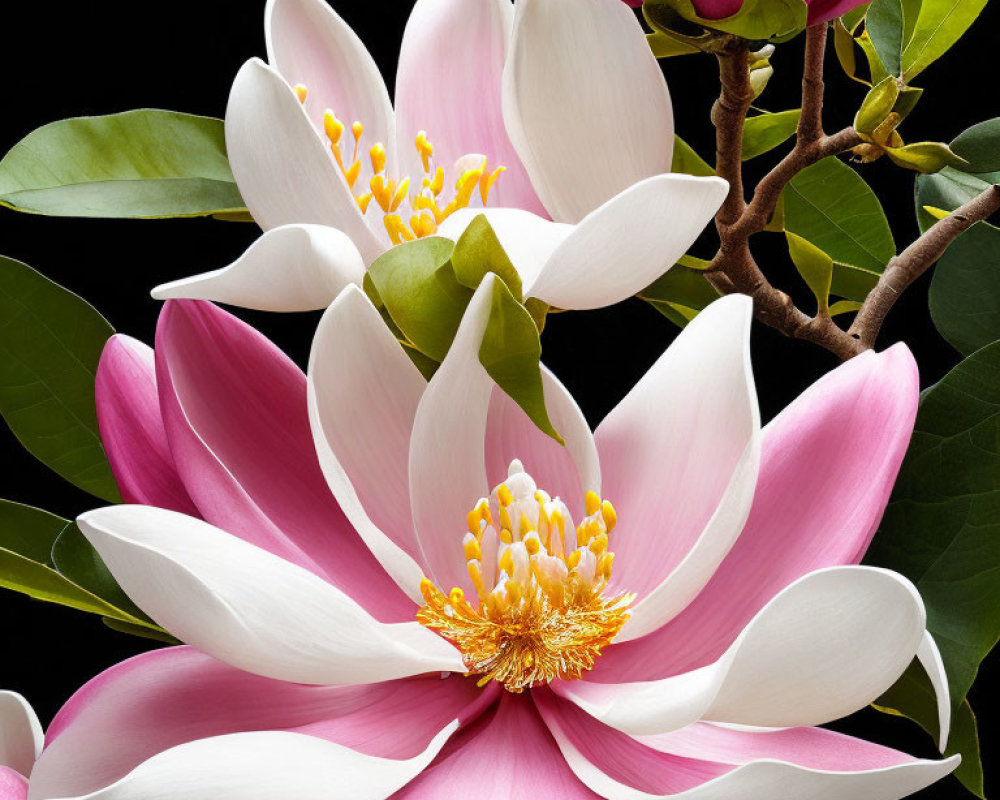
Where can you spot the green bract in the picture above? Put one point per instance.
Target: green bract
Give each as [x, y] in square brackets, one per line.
[145, 163]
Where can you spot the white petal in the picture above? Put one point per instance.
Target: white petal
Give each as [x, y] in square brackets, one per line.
[291, 268]
[20, 733]
[363, 396]
[626, 244]
[250, 608]
[285, 172]
[930, 660]
[265, 766]
[309, 44]
[528, 240]
[680, 455]
[585, 103]
[447, 449]
[825, 646]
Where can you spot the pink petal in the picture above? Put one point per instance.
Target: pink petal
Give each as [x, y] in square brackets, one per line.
[829, 463]
[717, 9]
[816, 748]
[161, 699]
[459, 108]
[506, 755]
[128, 413]
[825, 10]
[236, 418]
[13, 786]
[620, 757]
[309, 44]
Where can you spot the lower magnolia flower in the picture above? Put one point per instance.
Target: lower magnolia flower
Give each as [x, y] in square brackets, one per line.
[458, 626]
[20, 745]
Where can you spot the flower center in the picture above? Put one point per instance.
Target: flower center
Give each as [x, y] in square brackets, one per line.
[429, 204]
[540, 612]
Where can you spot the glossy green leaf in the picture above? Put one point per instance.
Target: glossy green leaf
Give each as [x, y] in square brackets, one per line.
[687, 161]
[852, 282]
[844, 307]
[815, 267]
[965, 291]
[913, 696]
[979, 146]
[877, 105]
[843, 45]
[926, 157]
[147, 163]
[142, 631]
[831, 206]
[875, 67]
[76, 559]
[890, 25]
[477, 252]
[853, 18]
[776, 20]
[50, 343]
[764, 132]
[942, 526]
[665, 46]
[511, 353]
[680, 293]
[417, 285]
[29, 531]
[947, 190]
[939, 24]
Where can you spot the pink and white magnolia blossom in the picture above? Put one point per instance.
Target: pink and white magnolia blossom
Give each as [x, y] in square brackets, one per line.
[565, 95]
[20, 745]
[306, 675]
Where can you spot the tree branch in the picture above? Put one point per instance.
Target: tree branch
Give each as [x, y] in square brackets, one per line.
[909, 265]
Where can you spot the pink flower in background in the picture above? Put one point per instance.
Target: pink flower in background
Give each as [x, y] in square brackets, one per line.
[819, 10]
[309, 678]
[20, 745]
[563, 95]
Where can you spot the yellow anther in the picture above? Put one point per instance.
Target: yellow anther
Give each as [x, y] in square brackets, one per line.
[363, 202]
[333, 127]
[423, 224]
[427, 589]
[352, 173]
[473, 552]
[591, 503]
[456, 596]
[609, 515]
[472, 520]
[526, 526]
[426, 150]
[487, 181]
[477, 578]
[400, 196]
[599, 544]
[606, 562]
[574, 559]
[301, 92]
[397, 231]
[506, 536]
[532, 545]
[504, 496]
[377, 155]
[437, 185]
[507, 562]
[513, 592]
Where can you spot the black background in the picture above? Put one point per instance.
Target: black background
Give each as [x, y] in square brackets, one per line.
[62, 60]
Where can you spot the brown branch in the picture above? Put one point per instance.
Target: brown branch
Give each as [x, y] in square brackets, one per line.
[728, 115]
[916, 259]
[810, 128]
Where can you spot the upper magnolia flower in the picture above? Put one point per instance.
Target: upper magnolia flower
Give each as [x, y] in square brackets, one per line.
[20, 745]
[693, 664]
[556, 110]
[819, 10]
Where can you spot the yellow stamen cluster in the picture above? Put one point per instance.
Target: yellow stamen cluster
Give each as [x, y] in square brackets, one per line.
[429, 203]
[540, 611]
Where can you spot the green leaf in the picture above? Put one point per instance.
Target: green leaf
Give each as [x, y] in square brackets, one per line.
[843, 44]
[687, 161]
[776, 20]
[29, 531]
[680, 293]
[947, 190]
[144, 164]
[965, 291]
[477, 252]
[665, 46]
[942, 526]
[926, 157]
[913, 696]
[875, 66]
[50, 343]
[143, 631]
[852, 282]
[766, 131]
[511, 352]
[877, 105]
[979, 146]
[831, 206]
[844, 307]
[884, 23]
[939, 24]
[418, 287]
[77, 560]
[815, 267]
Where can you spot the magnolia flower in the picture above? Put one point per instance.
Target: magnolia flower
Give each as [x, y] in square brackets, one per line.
[819, 10]
[554, 116]
[20, 745]
[331, 644]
